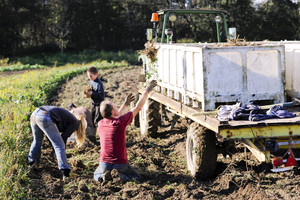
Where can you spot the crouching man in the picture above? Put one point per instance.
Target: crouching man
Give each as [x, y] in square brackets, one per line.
[112, 132]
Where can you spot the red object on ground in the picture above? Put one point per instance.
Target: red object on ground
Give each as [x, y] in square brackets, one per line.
[291, 161]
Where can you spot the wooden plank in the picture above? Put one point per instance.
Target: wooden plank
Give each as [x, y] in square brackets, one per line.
[205, 119]
[232, 129]
[262, 156]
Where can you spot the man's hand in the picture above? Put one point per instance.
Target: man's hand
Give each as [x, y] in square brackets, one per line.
[151, 85]
[129, 99]
[139, 105]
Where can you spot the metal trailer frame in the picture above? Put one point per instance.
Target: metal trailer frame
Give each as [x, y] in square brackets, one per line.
[244, 131]
[252, 134]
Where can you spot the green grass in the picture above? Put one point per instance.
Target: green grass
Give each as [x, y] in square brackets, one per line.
[20, 95]
[17, 102]
[18, 67]
[86, 56]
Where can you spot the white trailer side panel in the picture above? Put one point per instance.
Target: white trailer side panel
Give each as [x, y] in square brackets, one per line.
[265, 74]
[224, 73]
[218, 75]
[292, 53]
[292, 65]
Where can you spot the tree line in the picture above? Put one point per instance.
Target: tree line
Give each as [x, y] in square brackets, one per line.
[35, 26]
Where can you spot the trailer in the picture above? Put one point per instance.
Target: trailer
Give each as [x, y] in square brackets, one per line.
[194, 80]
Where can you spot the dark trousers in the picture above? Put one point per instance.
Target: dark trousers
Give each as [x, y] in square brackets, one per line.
[96, 115]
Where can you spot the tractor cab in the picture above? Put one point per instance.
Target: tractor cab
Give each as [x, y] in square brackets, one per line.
[188, 26]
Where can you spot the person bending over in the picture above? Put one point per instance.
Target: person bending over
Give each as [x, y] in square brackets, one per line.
[112, 132]
[90, 131]
[50, 121]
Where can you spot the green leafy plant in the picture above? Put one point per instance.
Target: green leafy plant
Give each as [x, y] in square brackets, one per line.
[4, 61]
[85, 56]
[20, 95]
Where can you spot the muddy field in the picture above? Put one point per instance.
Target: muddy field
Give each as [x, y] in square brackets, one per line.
[160, 161]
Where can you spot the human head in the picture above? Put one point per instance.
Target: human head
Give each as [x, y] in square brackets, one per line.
[108, 109]
[92, 73]
[80, 132]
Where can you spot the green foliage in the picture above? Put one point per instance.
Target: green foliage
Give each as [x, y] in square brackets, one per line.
[243, 16]
[4, 61]
[186, 40]
[195, 28]
[14, 140]
[117, 25]
[279, 20]
[104, 64]
[85, 56]
[59, 23]
[20, 95]
[152, 72]
[18, 67]
[15, 134]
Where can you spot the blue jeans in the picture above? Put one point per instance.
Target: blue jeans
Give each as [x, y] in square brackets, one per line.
[41, 124]
[126, 171]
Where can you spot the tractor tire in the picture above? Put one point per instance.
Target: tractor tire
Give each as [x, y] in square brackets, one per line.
[150, 118]
[201, 152]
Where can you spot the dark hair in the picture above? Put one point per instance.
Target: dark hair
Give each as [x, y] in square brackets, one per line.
[105, 109]
[93, 70]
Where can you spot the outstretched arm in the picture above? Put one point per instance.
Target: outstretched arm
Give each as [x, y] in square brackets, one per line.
[144, 97]
[128, 99]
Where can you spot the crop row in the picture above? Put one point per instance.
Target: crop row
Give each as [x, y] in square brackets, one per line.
[18, 67]
[85, 56]
[19, 96]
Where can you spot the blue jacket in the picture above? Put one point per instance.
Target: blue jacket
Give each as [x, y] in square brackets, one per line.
[98, 91]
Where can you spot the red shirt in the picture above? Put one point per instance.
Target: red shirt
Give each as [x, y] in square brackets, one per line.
[112, 132]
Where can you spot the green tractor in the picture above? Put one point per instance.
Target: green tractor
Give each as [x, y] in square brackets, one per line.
[162, 18]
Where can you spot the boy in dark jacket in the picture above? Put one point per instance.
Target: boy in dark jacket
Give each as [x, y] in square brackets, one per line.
[96, 94]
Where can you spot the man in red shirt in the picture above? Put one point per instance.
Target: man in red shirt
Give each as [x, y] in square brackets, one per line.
[112, 132]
